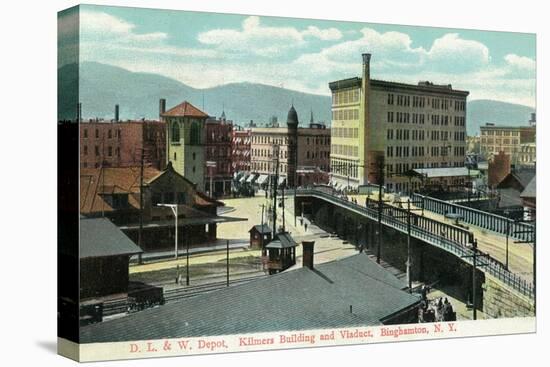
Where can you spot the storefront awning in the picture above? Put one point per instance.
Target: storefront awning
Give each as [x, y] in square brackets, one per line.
[243, 179]
[261, 179]
[251, 178]
[281, 181]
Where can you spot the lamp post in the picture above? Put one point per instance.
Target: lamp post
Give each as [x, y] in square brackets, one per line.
[210, 165]
[174, 208]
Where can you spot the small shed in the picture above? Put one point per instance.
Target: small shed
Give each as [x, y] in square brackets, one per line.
[260, 235]
[281, 253]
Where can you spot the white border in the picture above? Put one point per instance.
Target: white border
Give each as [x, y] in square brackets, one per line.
[29, 187]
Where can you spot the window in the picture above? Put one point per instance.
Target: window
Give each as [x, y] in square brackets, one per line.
[85, 150]
[85, 133]
[168, 198]
[110, 151]
[195, 134]
[175, 156]
[96, 133]
[110, 134]
[175, 132]
[97, 150]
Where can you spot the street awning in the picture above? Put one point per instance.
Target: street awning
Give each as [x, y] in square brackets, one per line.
[261, 179]
[251, 178]
[243, 179]
[282, 180]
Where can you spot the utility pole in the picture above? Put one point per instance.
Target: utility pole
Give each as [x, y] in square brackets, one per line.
[140, 233]
[475, 265]
[409, 277]
[379, 244]
[283, 202]
[274, 188]
[187, 261]
[474, 291]
[227, 250]
[506, 213]
[262, 233]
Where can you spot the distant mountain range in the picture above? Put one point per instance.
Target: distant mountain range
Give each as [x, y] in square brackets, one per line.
[102, 86]
[481, 111]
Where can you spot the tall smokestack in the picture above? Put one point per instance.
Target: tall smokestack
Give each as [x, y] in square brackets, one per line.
[366, 66]
[79, 112]
[365, 103]
[116, 113]
[162, 106]
[307, 256]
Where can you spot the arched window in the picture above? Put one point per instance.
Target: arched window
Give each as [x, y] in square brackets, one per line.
[195, 134]
[175, 132]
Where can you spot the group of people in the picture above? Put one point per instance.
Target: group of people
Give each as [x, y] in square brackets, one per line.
[439, 309]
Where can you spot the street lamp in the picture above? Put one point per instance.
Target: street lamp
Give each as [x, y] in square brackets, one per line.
[174, 208]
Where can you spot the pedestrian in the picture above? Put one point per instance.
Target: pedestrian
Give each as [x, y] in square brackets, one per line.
[305, 227]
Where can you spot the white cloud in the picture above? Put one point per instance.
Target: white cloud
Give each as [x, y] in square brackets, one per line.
[329, 34]
[263, 40]
[521, 64]
[451, 52]
[99, 25]
[231, 55]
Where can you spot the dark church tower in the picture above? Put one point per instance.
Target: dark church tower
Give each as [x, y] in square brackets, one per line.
[292, 163]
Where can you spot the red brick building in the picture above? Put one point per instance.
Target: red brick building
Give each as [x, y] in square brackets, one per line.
[218, 153]
[119, 144]
[499, 168]
[240, 149]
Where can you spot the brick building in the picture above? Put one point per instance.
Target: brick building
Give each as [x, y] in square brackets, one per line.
[119, 144]
[218, 155]
[240, 150]
[500, 166]
[300, 151]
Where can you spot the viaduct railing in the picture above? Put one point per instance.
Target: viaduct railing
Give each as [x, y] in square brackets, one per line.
[489, 221]
[450, 238]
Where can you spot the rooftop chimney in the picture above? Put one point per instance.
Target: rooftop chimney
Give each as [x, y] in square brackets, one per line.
[116, 113]
[307, 257]
[162, 106]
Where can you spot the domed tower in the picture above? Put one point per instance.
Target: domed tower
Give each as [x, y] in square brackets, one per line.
[292, 162]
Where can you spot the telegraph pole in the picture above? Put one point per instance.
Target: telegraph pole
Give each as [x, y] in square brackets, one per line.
[474, 268]
[274, 187]
[409, 277]
[140, 233]
[283, 202]
[475, 265]
[187, 261]
[227, 250]
[379, 244]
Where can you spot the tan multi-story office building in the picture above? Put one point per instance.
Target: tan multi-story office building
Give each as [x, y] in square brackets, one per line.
[312, 151]
[395, 125]
[507, 139]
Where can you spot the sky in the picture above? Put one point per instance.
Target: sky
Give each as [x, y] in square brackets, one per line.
[209, 49]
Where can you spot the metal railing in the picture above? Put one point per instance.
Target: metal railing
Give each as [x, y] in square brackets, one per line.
[489, 221]
[450, 238]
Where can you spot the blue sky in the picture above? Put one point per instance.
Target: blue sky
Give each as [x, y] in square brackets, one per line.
[209, 49]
